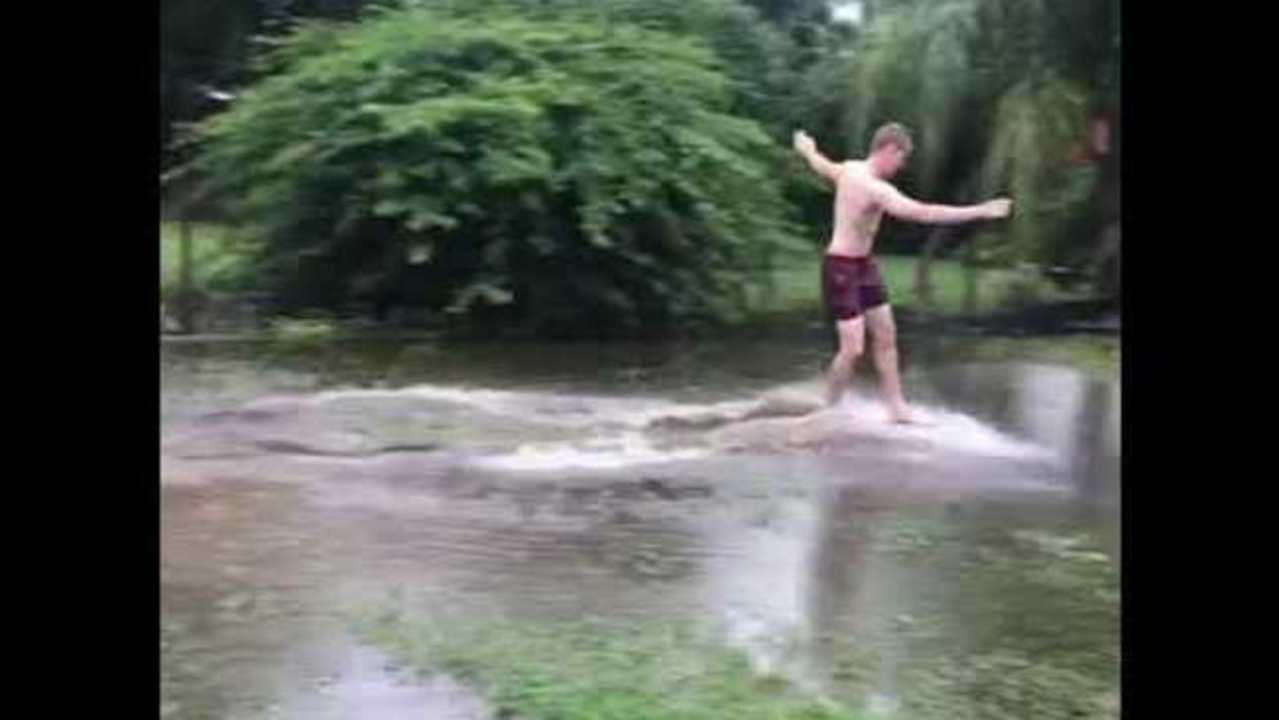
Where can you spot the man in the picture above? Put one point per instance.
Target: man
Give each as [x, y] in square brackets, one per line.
[852, 288]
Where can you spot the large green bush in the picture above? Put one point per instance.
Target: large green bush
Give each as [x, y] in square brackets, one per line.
[753, 52]
[566, 174]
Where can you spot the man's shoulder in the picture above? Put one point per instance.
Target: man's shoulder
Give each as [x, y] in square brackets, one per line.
[851, 172]
[855, 173]
[878, 186]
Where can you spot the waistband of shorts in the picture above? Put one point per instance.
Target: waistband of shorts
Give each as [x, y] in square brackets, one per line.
[836, 257]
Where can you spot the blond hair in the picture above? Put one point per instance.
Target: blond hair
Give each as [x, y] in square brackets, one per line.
[892, 134]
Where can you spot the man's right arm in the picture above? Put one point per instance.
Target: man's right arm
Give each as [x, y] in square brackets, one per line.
[900, 206]
[818, 162]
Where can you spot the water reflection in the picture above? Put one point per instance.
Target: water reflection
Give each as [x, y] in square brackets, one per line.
[1075, 415]
[842, 576]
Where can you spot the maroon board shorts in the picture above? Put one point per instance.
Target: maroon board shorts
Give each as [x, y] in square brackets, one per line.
[851, 286]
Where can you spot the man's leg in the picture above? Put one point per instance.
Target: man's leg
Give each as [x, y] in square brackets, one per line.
[883, 338]
[852, 338]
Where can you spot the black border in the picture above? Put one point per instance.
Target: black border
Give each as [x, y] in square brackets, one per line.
[114, 378]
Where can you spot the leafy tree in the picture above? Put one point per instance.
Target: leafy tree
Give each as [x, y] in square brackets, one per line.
[1000, 92]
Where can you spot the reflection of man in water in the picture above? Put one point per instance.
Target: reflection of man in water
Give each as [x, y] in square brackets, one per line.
[852, 287]
[842, 565]
[839, 559]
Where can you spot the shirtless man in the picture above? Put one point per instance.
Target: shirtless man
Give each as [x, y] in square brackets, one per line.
[852, 289]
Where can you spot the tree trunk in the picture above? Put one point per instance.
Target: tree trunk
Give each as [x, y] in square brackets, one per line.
[970, 278]
[923, 266]
[769, 285]
[1104, 267]
[940, 235]
[186, 289]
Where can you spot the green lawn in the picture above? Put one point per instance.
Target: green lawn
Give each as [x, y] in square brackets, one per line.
[216, 259]
[1096, 355]
[219, 261]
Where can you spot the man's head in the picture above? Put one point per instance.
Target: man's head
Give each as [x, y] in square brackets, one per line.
[890, 148]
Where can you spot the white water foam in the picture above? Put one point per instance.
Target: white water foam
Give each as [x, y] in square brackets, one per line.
[613, 427]
[944, 429]
[593, 454]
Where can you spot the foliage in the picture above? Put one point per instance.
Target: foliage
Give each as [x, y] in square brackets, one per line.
[206, 47]
[568, 174]
[219, 264]
[999, 92]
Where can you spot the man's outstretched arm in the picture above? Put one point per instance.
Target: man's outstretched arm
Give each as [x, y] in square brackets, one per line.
[905, 208]
[805, 146]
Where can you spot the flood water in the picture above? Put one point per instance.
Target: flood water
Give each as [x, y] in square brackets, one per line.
[867, 562]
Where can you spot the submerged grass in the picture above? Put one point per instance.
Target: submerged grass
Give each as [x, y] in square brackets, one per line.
[596, 669]
[1027, 626]
[1014, 623]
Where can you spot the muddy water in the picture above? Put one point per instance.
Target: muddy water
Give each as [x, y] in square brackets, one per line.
[300, 485]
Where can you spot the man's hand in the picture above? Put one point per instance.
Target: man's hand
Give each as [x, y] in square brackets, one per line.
[998, 208]
[803, 143]
[806, 147]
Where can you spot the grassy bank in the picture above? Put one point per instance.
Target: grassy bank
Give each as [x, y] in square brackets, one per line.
[1099, 355]
[219, 262]
[797, 286]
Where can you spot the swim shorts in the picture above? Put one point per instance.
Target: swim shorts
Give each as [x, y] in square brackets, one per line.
[851, 286]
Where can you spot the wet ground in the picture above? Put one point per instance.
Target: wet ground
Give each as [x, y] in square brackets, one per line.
[303, 484]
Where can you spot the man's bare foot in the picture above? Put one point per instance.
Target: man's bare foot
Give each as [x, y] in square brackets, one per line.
[901, 415]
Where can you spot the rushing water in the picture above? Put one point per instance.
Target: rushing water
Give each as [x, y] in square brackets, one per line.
[880, 564]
